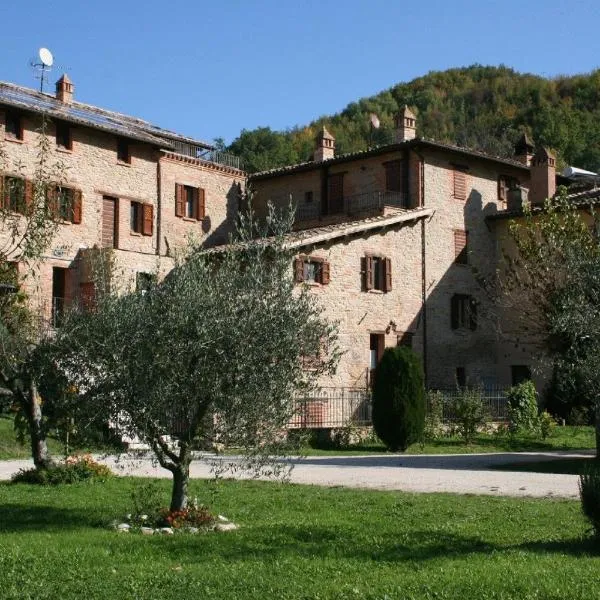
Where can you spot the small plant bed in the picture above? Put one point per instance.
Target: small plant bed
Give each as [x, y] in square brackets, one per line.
[559, 466]
[297, 542]
[74, 469]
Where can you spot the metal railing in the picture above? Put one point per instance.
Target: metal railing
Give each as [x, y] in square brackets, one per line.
[354, 205]
[493, 398]
[332, 407]
[214, 156]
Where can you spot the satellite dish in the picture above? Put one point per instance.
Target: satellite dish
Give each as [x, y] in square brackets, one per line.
[46, 57]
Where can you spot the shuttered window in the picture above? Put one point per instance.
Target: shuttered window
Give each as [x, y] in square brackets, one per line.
[463, 312]
[460, 184]
[141, 218]
[64, 139]
[13, 126]
[123, 151]
[396, 176]
[190, 202]
[461, 247]
[377, 273]
[13, 190]
[310, 269]
[65, 204]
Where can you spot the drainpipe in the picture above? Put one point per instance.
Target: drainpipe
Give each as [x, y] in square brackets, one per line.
[158, 204]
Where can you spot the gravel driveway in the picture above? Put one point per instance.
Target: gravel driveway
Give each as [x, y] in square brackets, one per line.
[463, 474]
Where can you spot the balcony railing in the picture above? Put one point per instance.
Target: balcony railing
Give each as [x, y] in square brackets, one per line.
[214, 156]
[356, 205]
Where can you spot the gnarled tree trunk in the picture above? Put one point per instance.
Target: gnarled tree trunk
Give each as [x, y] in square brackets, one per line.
[31, 402]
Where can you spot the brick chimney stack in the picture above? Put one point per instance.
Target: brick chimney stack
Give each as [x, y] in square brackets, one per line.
[325, 146]
[406, 125]
[543, 176]
[64, 90]
[524, 150]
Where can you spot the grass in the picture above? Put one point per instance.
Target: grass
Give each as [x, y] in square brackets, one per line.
[10, 448]
[296, 542]
[563, 438]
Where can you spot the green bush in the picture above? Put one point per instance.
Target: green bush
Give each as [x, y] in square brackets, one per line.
[435, 415]
[469, 412]
[589, 492]
[547, 424]
[399, 399]
[523, 408]
[73, 470]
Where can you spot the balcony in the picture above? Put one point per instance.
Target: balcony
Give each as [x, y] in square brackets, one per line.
[358, 205]
[213, 156]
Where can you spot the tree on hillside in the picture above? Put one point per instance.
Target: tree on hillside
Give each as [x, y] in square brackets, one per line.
[213, 354]
[27, 225]
[548, 291]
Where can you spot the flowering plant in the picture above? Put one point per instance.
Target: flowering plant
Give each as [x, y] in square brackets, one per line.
[192, 516]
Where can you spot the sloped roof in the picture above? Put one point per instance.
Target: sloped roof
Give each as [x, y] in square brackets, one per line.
[91, 116]
[317, 235]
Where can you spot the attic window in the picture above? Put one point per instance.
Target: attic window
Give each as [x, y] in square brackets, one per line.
[64, 140]
[13, 126]
[123, 154]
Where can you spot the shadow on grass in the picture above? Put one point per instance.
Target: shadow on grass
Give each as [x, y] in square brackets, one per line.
[20, 518]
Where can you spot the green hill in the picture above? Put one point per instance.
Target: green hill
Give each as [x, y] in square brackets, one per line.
[479, 107]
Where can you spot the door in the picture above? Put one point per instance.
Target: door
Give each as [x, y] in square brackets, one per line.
[335, 193]
[58, 294]
[109, 222]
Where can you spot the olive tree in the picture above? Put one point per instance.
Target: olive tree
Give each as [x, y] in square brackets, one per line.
[27, 226]
[212, 354]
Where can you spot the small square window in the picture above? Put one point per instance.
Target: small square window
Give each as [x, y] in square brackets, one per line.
[311, 270]
[64, 204]
[191, 199]
[13, 127]
[143, 282]
[463, 311]
[14, 194]
[377, 273]
[136, 217]
[63, 136]
[123, 154]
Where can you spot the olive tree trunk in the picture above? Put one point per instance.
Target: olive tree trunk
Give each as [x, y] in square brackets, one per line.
[32, 405]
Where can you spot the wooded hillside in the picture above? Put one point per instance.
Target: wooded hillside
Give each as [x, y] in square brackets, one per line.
[485, 108]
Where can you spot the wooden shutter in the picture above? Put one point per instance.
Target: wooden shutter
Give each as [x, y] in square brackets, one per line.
[461, 252]
[336, 193]
[368, 271]
[454, 307]
[380, 346]
[200, 204]
[502, 188]
[298, 270]
[52, 200]
[460, 185]
[387, 274]
[87, 295]
[77, 207]
[472, 306]
[147, 219]
[27, 197]
[393, 176]
[179, 200]
[325, 272]
[3, 198]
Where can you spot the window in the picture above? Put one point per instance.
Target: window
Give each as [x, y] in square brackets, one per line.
[190, 202]
[396, 176]
[310, 269]
[123, 154]
[405, 339]
[506, 183]
[377, 272]
[460, 183]
[65, 204]
[141, 218]
[520, 373]
[16, 194]
[308, 197]
[335, 193]
[463, 311]
[461, 247]
[376, 350]
[143, 282]
[63, 136]
[461, 377]
[13, 126]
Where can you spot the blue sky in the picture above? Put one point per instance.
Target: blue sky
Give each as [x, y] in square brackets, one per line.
[210, 69]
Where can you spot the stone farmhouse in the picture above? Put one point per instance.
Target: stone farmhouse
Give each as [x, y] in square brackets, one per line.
[388, 238]
[128, 185]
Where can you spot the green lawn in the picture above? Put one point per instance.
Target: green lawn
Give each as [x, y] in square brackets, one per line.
[10, 448]
[563, 438]
[296, 542]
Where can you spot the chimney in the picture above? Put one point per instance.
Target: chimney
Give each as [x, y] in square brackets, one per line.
[64, 90]
[542, 176]
[325, 146]
[524, 150]
[517, 195]
[406, 125]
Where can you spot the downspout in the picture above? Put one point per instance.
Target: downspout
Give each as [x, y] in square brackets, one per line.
[158, 204]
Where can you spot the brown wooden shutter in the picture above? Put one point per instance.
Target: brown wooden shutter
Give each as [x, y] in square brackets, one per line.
[179, 200]
[298, 270]
[368, 270]
[325, 272]
[200, 204]
[461, 252]
[454, 302]
[27, 197]
[148, 219]
[3, 198]
[472, 313]
[77, 207]
[502, 188]
[87, 295]
[380, 346]
[460, 185]
[52, 200]
[387, 274]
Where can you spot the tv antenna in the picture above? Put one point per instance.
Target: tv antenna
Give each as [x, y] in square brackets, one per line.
[42, 64]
